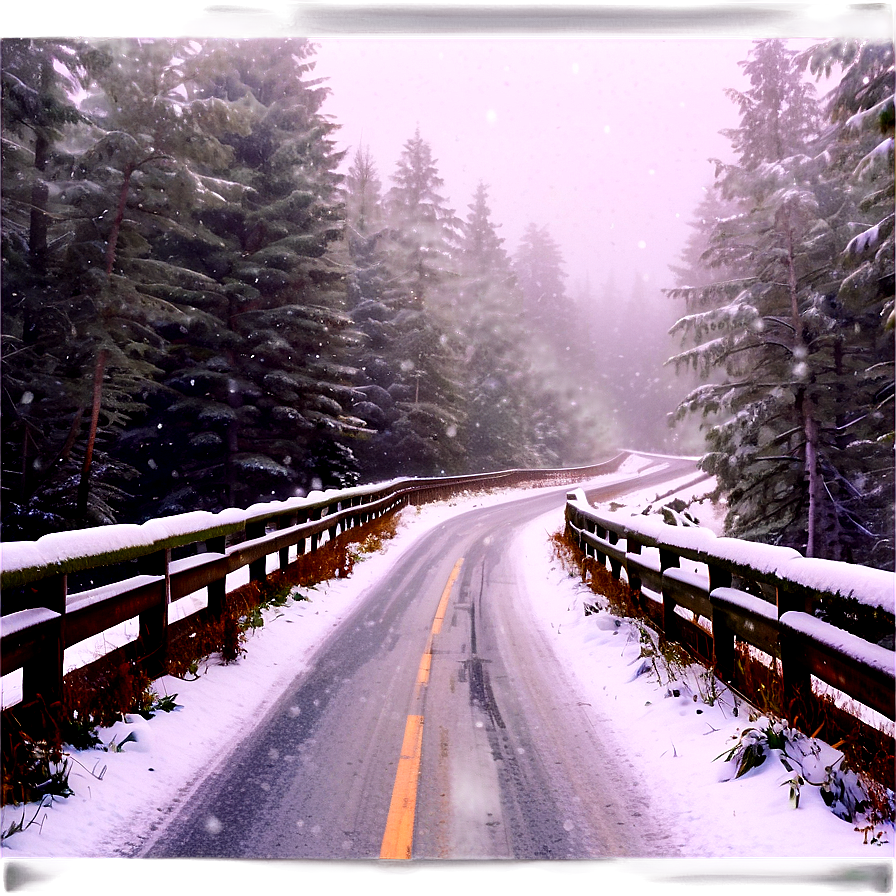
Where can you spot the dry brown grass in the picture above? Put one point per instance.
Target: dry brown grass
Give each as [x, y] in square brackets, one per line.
[618, 597]
[27, 756]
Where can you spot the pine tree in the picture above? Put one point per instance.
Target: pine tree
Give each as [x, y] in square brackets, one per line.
[144, 256]
[420, 369]
[770, 339]
[271, 379]
[574, 419]
[857, 151]
[693, 268]
[57, 348]
[373, 302]
[498, 381]
[623, 342]
[425, 227]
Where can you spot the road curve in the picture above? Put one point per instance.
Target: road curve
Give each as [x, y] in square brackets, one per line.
[434, 723]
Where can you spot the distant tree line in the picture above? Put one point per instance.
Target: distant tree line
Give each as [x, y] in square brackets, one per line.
[200, 311]
[788, 286]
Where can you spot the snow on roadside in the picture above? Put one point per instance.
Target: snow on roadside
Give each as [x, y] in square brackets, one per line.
[670, 742]
[674, 740]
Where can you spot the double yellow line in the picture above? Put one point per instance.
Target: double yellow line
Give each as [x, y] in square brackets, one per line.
[399, 834]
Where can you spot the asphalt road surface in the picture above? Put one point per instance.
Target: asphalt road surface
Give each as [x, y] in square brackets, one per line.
[434, 723]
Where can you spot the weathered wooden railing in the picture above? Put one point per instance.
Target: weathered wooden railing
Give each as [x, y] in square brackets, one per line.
[147, 568]
[768, 597]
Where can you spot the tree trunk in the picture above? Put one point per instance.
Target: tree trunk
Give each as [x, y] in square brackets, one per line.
[804, 404]
[810, 429]
[40, 192]
[38, 226]
[822, 536]
[112, 242]
[84, 485]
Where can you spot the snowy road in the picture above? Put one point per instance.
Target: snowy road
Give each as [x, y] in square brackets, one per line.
[435, 722]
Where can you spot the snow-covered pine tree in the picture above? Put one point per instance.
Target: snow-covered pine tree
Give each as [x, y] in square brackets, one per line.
[422, 370]
[139, 253]
[693, 268]
[373, 302]
[500, 388]
[857, 154]
[260, 398]
[56, 336]
[571, 412]
[623, 343]
[776, 355]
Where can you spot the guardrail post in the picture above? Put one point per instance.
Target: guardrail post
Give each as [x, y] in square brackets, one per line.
[634, 580]
[586, 547]
[154, 621]
[52, 593]
[600, 532]
[719, 577]
[787, 600]
[669, 560]
[44, 678]
[258, 569]
[284, 522]
[796, 681]
[333, 508]
[315, 538]
[216, 590]
[615, 565]
[301, 518]
[723, 643]
[722, 637]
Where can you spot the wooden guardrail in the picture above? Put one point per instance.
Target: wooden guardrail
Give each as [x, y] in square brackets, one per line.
[144, 569]
[769, 597]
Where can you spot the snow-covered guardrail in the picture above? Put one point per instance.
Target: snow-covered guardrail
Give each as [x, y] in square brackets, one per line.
[766, 596]
[146, 568]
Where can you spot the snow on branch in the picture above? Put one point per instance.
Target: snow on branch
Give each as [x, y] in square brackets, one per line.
[726, 289]
[871, 239]
[870, 119]
[880, 159]
[735, 315]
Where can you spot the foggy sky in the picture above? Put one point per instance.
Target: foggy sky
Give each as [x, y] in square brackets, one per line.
[604, 141]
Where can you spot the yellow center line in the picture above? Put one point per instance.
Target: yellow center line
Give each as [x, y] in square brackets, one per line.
[443, 603]
[399, 834]
[425, 665]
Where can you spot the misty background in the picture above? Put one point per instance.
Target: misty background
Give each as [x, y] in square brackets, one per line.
[607, 143]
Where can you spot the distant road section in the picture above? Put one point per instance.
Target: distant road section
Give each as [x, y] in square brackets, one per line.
[434, 723]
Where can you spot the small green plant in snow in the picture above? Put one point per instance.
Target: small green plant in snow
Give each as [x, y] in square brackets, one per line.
[807, 761]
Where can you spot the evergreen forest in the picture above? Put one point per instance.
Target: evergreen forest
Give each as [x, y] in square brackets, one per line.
[206, 303]
[201, 311]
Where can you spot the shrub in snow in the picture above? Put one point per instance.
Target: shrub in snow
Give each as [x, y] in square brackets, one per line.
[809, 761]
